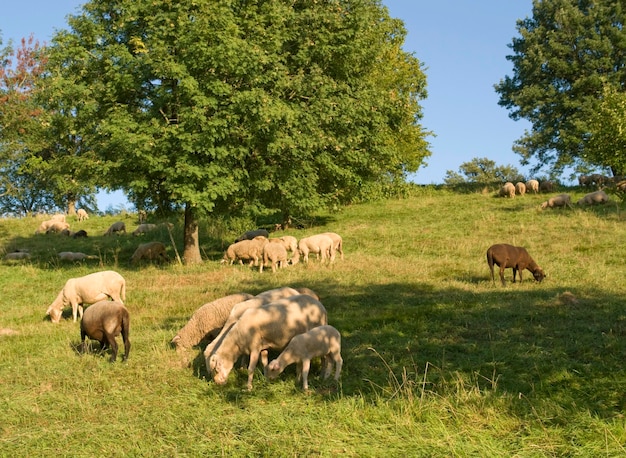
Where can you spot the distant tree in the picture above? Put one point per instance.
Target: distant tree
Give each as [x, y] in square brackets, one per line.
[484, 172]
[215, 106]
[568, 54]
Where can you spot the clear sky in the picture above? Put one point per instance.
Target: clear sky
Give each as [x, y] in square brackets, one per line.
[462, 44]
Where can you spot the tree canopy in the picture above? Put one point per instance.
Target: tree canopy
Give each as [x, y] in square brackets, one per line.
[234, 105]
[482, 172]
[570, 54]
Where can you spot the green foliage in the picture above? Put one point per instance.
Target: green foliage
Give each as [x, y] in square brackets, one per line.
[565, 54]
[481, 172]
[438, 359]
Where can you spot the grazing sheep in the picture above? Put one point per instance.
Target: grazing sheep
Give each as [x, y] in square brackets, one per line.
[58, 227]
[597, 197]
[74, 256]
[152, 251]
[546, 186]
[621, 185]
[82, 214]
[318, 244]
[337, 242]
[51, 225]
[291, 244]
[91, 288]
[249, 235]
[520, 188]
[507, 190]
[584, 180]
[80, 233]
[598, 180]
[562, 200]
[254, 302]
[515, 257]
[17, 255]
[58, 217]
[144, 228]
[322, 341]
[207, 321]
[104, 321]
[249, 250]
[532, 185]
[270, 326]
[116, 228]
[274, 254]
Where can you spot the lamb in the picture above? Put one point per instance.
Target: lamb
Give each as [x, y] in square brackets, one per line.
[274, 254]
[254, 302]
[104, 321]
[270, 326]
[82, 214]
[532, 185]
[507, 190]
[318, 244]
[152, 251]
[516, 257]
[207, 321]
[324, 341]
[17, 255]
[89, 289]
[116, 228]
[597, 197]
[562, 200]
[144, 228]
[520, 188]
[249, 235]
[74, 256]
[337, 242]
[249, 250]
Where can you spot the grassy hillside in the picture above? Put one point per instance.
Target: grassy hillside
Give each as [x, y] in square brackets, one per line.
[438, 360]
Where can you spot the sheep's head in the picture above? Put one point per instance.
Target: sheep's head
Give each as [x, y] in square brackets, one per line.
[273, 369]
[539, 274]
[55, 314]
[220, 369]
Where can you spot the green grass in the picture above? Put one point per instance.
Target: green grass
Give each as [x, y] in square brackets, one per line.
[438, 360]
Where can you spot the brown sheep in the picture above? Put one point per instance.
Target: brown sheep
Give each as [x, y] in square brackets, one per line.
[104, 321]
[515, 257]
[152, 251]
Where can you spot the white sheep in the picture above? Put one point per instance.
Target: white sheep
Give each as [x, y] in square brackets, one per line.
[17, 255]
[520, 188]
[337, 242]
[291, 244]
[319, 244]
[152, 251]
[58, 217]
[274, 254]
[254, 302]
[270, 326]
[562, 200]
[249, 250]
[144, 228]
[116, 228]
[104, 321]
[322, 341]
[82, 215]
[597, 197]
[52, 225]
[249, 235]
[91, 288]
[532, 185]
[74, 256]
[207, 321]
[507, 190]
[59, 227]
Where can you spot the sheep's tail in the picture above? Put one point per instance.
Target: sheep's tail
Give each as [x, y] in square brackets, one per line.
[490, 262]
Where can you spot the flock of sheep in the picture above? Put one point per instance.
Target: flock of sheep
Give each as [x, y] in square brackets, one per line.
[510, 190]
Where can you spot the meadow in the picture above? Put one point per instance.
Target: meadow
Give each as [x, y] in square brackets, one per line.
[438, 359]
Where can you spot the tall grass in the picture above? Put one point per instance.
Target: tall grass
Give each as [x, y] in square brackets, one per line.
[438, 360]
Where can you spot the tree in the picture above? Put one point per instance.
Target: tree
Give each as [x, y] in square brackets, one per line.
[249, 106]
[482, 172]
[565, 57]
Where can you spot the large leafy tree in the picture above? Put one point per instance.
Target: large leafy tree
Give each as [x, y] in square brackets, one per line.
[483, 172]
[566, 56]
[215, 105]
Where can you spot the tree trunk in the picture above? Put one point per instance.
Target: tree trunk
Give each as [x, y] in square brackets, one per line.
[191, 250]
[71, 206]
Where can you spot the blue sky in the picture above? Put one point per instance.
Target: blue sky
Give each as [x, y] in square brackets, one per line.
[462, 44]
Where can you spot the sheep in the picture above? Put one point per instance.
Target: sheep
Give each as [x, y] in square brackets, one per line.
[546, 186]
[274, 254]
[254, 302]
[291, 244]
[80, 233]
[250, 250]
[337, 242]
[520, 188]
[104, 321]
[584, 180]
[562, 200]
[324, 341]
[91, 288]
[249, 235]
[318, 244]
[144, 228]
[507, 190]
[207, 321]
[270, 326]
[82, 214]
[116, 228]
[17, 255]
[58, 226]
[532, 185]
[152, 251]
[597, 197]
[45, 225]
[516, 257]
[58, 217]
[74, 256]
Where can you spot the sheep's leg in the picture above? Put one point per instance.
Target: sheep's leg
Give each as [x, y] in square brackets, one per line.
[338, 365]
[254, 359]
[74, 310]
[502, 274]
[327, 366]
[264, 361]
[110, 339]
[514, 273]
[306, 365]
